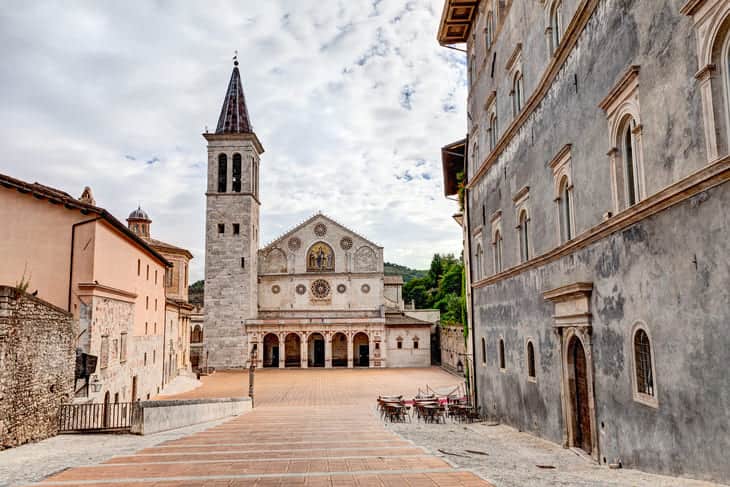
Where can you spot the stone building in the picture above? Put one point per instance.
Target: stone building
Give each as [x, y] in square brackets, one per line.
[595, 210]
[78, 257]
[315, 297]
[175, 343]
[37, 357]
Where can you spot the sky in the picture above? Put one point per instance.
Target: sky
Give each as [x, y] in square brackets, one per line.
[352, 101]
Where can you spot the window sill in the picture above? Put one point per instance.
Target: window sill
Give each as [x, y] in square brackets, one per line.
[646, 400]
[532, 379]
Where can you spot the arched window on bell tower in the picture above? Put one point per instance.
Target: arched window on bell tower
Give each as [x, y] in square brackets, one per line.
[222, 173]
[236, 180]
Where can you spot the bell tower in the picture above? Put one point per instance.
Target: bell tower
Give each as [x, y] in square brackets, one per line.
[231, 231]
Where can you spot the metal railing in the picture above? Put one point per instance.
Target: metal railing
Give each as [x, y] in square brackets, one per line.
[74, 418]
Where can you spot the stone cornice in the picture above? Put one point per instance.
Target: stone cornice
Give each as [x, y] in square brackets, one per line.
[521, 194]
[95, 286]
[572, 33]
[490, 99]
[708, 177]
[571, 291]
[630, 75]
[691, 7]
[560, 156]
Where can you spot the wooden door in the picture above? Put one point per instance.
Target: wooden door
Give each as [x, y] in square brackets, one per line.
[579, 397]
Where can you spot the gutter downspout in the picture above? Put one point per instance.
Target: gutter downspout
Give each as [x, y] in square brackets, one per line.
[470, 317]
[164, 339]
[71, 260]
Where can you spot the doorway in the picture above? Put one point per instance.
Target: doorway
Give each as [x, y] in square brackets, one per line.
[292, 350]
[315, 350]
[361, 349]
[579, 396]
[271, 350]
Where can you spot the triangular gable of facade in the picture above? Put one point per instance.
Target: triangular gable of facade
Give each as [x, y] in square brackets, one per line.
[280, 241]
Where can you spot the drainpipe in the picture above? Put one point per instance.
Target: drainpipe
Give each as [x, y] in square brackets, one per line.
[71, 260]
[164, 339]
[467, 242]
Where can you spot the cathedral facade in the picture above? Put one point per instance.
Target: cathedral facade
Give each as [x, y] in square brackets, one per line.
[315, 297]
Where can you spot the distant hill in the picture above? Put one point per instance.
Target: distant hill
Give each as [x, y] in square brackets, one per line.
[400, 270]
[196, 293]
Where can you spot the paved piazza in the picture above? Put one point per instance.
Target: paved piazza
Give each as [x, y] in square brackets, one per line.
[318, 428]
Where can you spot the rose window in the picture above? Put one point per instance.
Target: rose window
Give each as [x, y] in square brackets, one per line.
[320, 288]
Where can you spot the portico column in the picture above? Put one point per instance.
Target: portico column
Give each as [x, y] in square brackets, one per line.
[282, 351]
[304, 351]
[371, 350]
[349, 351]
[328, 352]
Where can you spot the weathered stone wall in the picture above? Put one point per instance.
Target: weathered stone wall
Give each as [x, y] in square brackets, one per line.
[671, 273]
[453, 346]
[37, 358]
[230, 260]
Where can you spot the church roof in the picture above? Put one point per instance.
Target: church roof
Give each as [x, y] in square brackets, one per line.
[234, 117]
[306, 222]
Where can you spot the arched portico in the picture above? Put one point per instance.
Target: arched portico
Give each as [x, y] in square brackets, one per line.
[339, 350]
[315, 350]
[361, 350]
[271, 350]
[293, 350]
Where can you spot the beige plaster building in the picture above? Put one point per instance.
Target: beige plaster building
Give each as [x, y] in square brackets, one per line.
[80, 258]
[315, 297]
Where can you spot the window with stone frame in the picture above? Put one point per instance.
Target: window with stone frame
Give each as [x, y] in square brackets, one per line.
[517, 94]
[489, 31]
[497, 244]
[123, 347]
[644, 386]
[626, 165]
[712, 29]
[479, 262]
[563, 193]
[554, 30]
[415, 343]
[530, 360]
[399, 343]
[521, 200]
[104, 352]
[493, 130]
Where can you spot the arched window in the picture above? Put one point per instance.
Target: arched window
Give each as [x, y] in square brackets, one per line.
[530, 360]
[236, 173]
[493, 130]
[489, 31]
[643, 363]
[222, 173]
[517, 94]
[475, 155]
[196, 335]
[556, 25]
[524, 237]
[501, 354]
[565, 207]
[497, 251]
[628, 151]
[484, 351]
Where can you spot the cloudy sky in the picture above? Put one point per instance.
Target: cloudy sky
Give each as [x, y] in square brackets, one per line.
[352, 101]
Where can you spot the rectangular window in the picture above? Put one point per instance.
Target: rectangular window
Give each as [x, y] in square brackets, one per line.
[123, 347]
[148, 272]
[147, 302]
[221, 228]
[415, 344]
[236, 229]
[243, 262]
[139, 267]
[155, 276]
[400, 344]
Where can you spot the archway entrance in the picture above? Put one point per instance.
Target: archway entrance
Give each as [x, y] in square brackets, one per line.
[578, 386]
[361, 350]
[339, 350]
[271, 350]
[293, 350]
[315, 350]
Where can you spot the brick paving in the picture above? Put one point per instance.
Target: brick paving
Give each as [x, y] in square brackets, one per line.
[309, 428]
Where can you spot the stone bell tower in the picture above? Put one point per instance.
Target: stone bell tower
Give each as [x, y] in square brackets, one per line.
[231, 231]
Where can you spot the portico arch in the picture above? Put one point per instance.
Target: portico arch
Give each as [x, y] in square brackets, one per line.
[293, 350]
[339, 350]
[271, 350]
[361, 349]
[315, 350]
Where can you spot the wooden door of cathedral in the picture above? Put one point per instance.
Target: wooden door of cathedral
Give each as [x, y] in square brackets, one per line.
[579, 396]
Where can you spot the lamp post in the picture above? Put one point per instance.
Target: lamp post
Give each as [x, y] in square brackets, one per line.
[252, 372]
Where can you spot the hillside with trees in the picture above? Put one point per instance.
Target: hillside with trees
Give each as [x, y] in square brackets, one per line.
[442, 287]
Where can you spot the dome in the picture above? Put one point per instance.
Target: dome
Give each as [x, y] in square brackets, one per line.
[138, 214]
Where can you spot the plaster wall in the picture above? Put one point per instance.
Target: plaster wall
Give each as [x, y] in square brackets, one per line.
[408, 356]
[669, 272]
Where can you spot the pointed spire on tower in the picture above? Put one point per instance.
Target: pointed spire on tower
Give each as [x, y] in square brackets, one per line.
[234, 117]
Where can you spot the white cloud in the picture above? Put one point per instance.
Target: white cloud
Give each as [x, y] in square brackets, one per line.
[93, 91]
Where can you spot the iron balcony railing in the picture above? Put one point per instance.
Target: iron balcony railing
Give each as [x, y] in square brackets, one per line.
[92, 417]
